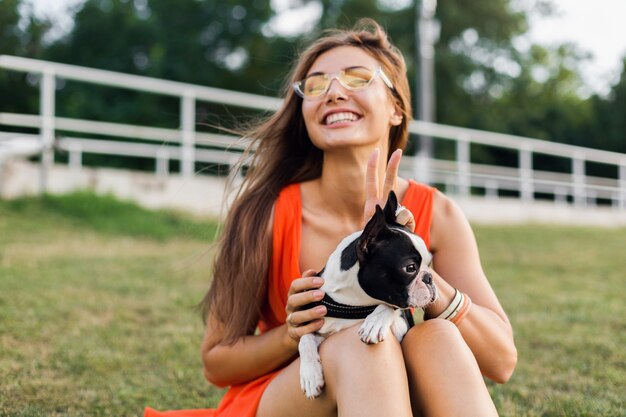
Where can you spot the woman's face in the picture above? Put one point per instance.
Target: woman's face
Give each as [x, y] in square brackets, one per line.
[341, 117]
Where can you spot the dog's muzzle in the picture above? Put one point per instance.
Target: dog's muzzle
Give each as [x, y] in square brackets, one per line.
[422, 290]
[426, 277]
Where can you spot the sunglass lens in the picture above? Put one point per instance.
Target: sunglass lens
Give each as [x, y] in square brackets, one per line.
[315, 85]
[352, 78]
[356, 78]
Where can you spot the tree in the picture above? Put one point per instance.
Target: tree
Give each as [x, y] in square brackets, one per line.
[212, 42]
[609, 129]
[484, 79]
[21, 33]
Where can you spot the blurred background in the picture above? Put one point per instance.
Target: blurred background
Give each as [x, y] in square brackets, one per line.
[533, 71]
[528, 70]
[527, 67]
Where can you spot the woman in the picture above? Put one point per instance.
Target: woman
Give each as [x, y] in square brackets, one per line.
[315, 179]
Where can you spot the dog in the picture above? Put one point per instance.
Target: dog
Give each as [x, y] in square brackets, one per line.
[376, 274]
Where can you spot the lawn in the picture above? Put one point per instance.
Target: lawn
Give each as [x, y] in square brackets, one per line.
[98, 317]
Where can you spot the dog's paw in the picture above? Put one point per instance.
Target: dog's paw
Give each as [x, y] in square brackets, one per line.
[372, 334]
[311, 379]
[376, 326]
[399, 327]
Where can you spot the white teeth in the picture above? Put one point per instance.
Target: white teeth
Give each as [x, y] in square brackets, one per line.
[341, 117]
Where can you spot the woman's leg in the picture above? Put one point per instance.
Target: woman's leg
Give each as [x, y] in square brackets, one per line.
[361, 380]
[443, 374]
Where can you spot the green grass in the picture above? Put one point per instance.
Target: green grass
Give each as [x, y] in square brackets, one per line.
[564, 291]
[97, 311]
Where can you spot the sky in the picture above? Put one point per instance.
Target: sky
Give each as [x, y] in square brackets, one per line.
[596, 26]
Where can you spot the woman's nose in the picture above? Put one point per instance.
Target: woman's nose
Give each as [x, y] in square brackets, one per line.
[335, 91]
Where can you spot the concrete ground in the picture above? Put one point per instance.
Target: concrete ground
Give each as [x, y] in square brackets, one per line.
[204, 195]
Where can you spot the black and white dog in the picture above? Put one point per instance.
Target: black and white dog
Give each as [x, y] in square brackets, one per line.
[375, 274]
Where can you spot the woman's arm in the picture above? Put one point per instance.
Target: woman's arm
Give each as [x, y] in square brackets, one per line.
[486, 328]
[255, 355]
[250, 356]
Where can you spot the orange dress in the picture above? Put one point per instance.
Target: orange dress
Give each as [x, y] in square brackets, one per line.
[242, 400]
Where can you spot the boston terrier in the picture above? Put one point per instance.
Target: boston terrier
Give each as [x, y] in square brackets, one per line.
[376, 274]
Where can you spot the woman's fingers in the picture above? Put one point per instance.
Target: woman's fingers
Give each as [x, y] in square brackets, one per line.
[296, 301]
[309, 273]
[297, 332]
[373, 196]
[371, 185]
[391, 174]
[304, 291]
[308, 281]
[303, 322]
[405, 218]
[303, 317]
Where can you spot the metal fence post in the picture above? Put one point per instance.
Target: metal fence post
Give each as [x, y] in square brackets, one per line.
[76, 157]
[527, 191]
[622, 185]
[188, 118]
[46, 108]
[421, 167]
[463, 165]
[578, 172]
[162, 163]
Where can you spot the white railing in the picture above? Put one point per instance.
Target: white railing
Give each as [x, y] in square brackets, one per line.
[460, 176]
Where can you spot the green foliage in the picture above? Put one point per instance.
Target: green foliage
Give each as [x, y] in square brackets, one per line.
[547, 108]
[609, 129]
[485, 77]
[212, 43]
[19, 35]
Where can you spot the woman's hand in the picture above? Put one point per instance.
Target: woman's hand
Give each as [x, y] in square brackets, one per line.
[303, 291]
[374, 197]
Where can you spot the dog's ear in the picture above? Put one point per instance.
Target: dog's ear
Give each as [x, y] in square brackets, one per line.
[391, 207]
[370, 234]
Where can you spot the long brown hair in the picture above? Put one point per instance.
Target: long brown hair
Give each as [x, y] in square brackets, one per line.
[284, 154]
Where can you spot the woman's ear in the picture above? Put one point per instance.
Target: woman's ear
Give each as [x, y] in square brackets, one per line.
[396, 116]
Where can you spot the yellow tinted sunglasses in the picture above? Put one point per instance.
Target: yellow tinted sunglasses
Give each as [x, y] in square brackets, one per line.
[353, 79]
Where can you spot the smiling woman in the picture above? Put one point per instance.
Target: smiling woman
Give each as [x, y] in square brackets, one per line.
[365, 118]
[315, 179]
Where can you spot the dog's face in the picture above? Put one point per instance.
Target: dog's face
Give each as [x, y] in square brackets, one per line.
[393, 262]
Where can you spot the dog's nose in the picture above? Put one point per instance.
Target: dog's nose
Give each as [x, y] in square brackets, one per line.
[427, 278]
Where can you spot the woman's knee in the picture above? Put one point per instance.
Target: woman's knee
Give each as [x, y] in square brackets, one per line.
[347, 343]
[363, 376]
[444, 375]
[345, 350]
[434, 337]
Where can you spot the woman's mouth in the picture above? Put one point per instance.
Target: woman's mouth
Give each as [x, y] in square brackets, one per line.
[340, 117]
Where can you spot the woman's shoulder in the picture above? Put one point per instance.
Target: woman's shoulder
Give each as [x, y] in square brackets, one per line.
[448, 221]
[287, 206]
[412, 185]
[284, 207]
[413, 193]
[288, 198]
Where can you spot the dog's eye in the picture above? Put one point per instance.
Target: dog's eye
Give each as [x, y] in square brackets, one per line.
[411, 268]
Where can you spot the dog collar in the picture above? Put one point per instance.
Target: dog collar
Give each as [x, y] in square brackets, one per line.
[341, 311]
